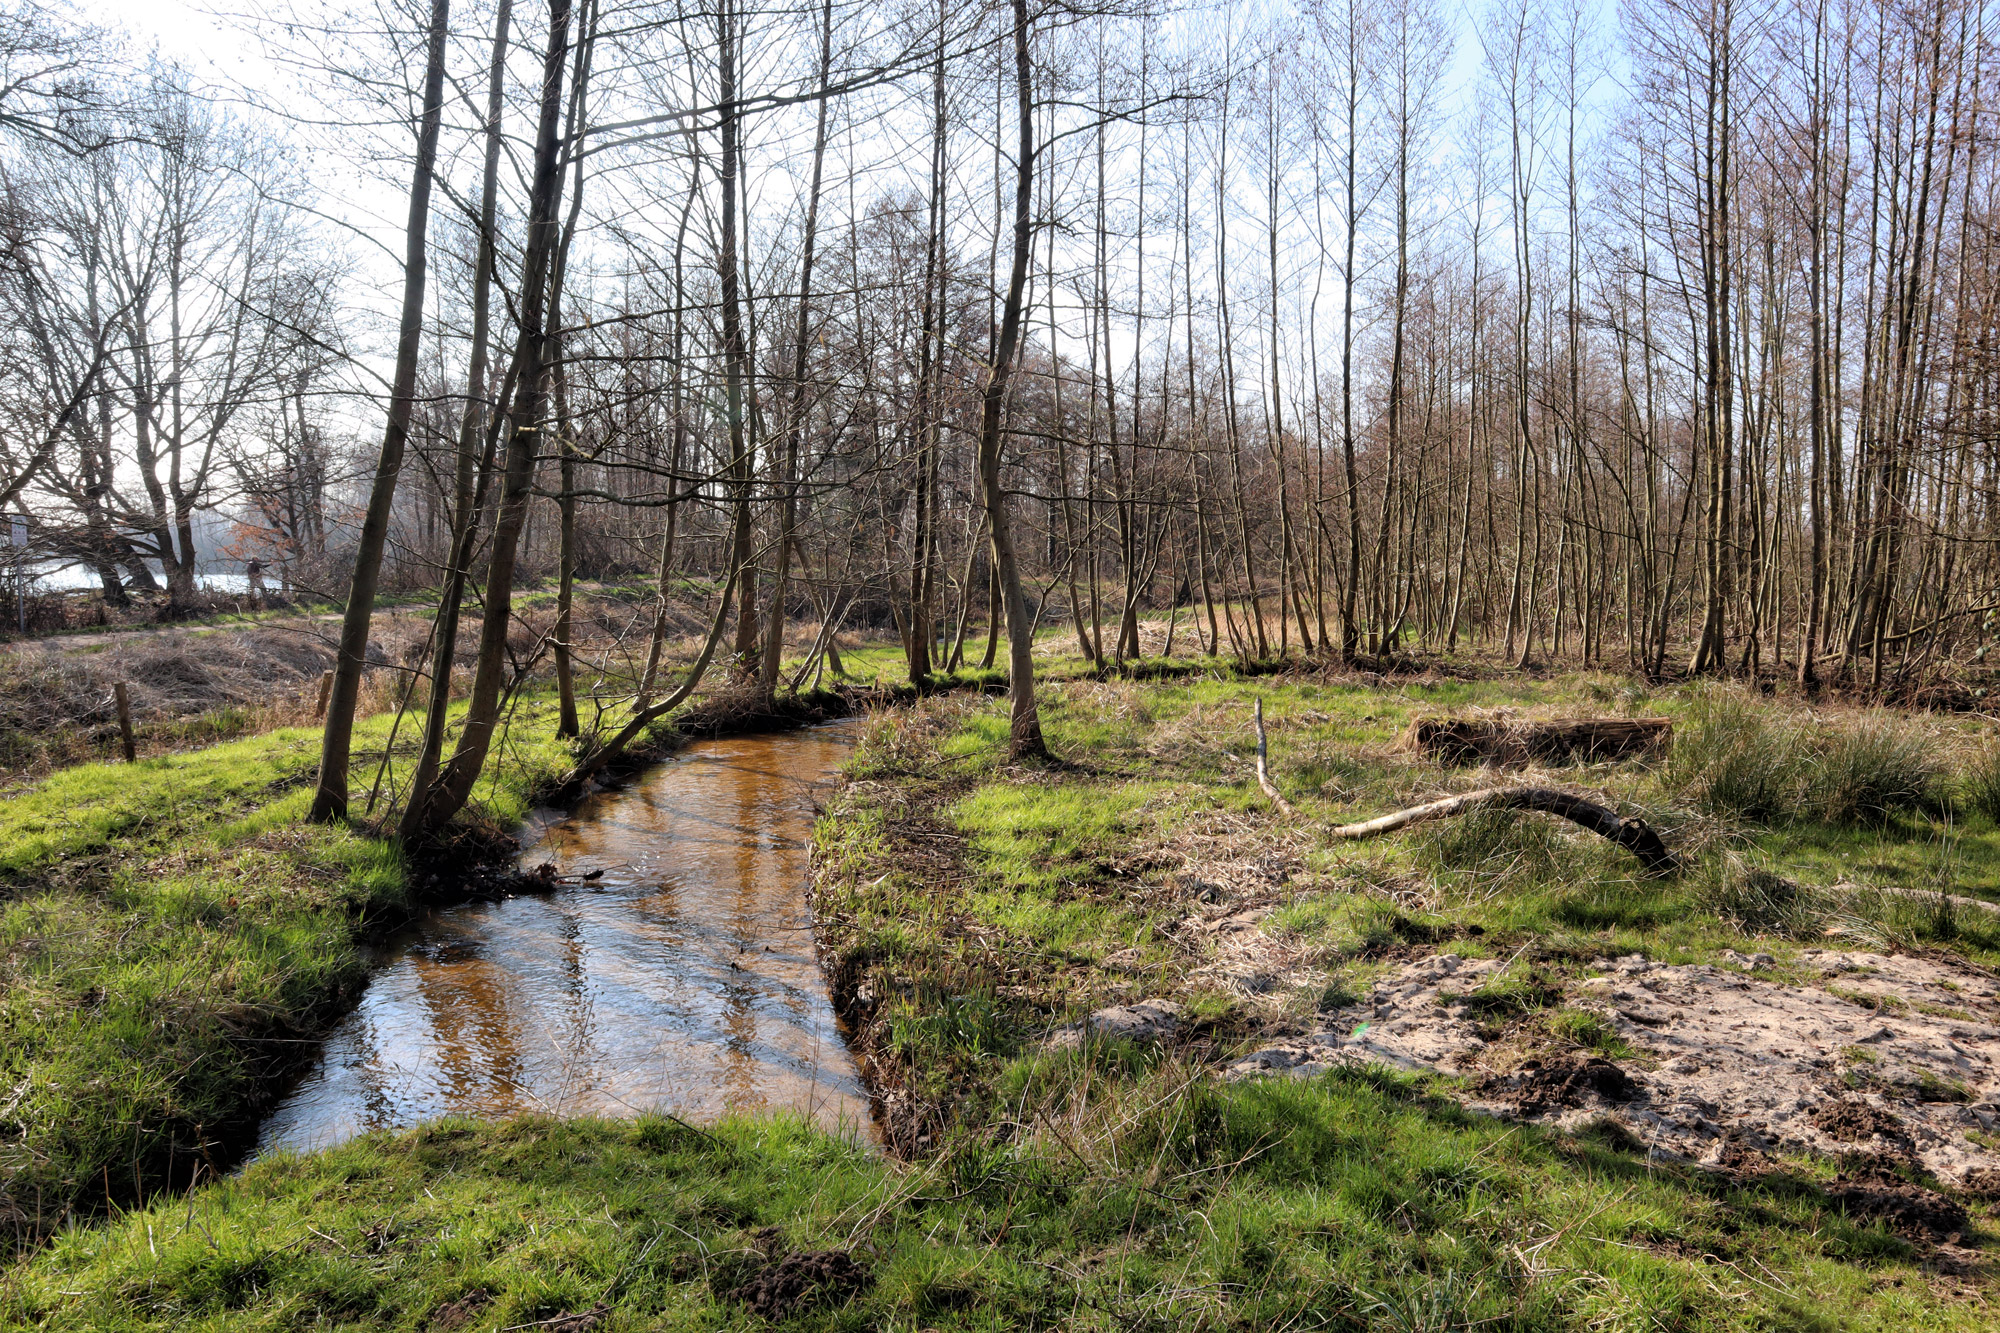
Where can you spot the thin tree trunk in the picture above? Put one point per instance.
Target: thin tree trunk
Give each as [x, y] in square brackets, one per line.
[445, 797]
[1026, 725]
[351, 660]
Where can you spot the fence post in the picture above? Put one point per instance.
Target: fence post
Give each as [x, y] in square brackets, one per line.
[325, 691]
[125, 721]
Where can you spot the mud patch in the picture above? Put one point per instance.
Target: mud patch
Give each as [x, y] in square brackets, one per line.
[1854, 1121]
[803, 1280]
[1566, 1080]
[457, 1314]
[1913, 1212]
[1983, 1182]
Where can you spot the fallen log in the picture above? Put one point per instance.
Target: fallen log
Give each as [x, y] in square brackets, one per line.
[1633, 834]
[1586, 740]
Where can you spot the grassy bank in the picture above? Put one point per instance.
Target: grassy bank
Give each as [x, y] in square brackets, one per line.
[202, 681]
[171, 934]
[968, 908]
[1149, 1200]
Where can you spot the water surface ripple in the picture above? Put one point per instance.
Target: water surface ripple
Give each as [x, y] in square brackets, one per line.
[681, 980]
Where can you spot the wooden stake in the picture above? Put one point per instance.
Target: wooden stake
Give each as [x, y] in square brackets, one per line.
[124, 702]
[1263, 773]
[325, 692]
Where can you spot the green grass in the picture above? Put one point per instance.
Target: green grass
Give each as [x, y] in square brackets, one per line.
[1355, 1201]
[967, 907]
[169, 931]
[956, 885]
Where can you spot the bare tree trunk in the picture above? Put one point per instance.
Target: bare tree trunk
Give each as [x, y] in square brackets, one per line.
[566, 719]
[445, 797]
[1026, 726]
[678, 459]
[735, 347]
[330, 800]
[795, 422]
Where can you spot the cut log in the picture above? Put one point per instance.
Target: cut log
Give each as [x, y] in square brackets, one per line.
[1587, 740]
[1633, 834]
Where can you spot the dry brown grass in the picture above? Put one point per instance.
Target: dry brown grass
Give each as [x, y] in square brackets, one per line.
[194, 685]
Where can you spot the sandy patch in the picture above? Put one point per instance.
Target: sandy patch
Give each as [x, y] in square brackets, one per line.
[1146, 1021]
[1886, 1055]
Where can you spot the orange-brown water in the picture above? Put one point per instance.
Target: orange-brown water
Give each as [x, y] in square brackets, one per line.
[681, 980]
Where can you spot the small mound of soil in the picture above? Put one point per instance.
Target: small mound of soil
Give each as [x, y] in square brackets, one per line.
[1567, 1080]
[1854, 1121]
[1983, 1182]
[457, 1314]
[802, 1280]
[1910, 1210]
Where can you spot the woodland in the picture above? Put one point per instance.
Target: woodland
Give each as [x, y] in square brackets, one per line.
[1661, 339]
[1420, 578]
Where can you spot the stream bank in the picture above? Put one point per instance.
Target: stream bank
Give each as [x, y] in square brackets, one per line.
[1044, 1174]
[176, 939]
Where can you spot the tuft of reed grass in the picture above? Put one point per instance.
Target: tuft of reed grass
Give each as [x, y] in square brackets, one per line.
[1979, 783]
[1733, 756]
[1865, 773]
[1758, 902]
[1496, 847]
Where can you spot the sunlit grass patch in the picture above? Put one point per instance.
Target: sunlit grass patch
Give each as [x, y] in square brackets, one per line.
[1048, 836]
[173, 932]
[968, 907]
[1131, 1187]
[1591, 1032]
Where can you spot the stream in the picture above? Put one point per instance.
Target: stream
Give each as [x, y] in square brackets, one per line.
[681, 980]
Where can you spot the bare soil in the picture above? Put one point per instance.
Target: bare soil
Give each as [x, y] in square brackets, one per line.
[1910, 1210]
[801, 1281]
[1562, 1081]
[1896, 1056]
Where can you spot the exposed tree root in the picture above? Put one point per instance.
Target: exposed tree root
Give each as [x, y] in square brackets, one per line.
[1634, 835]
